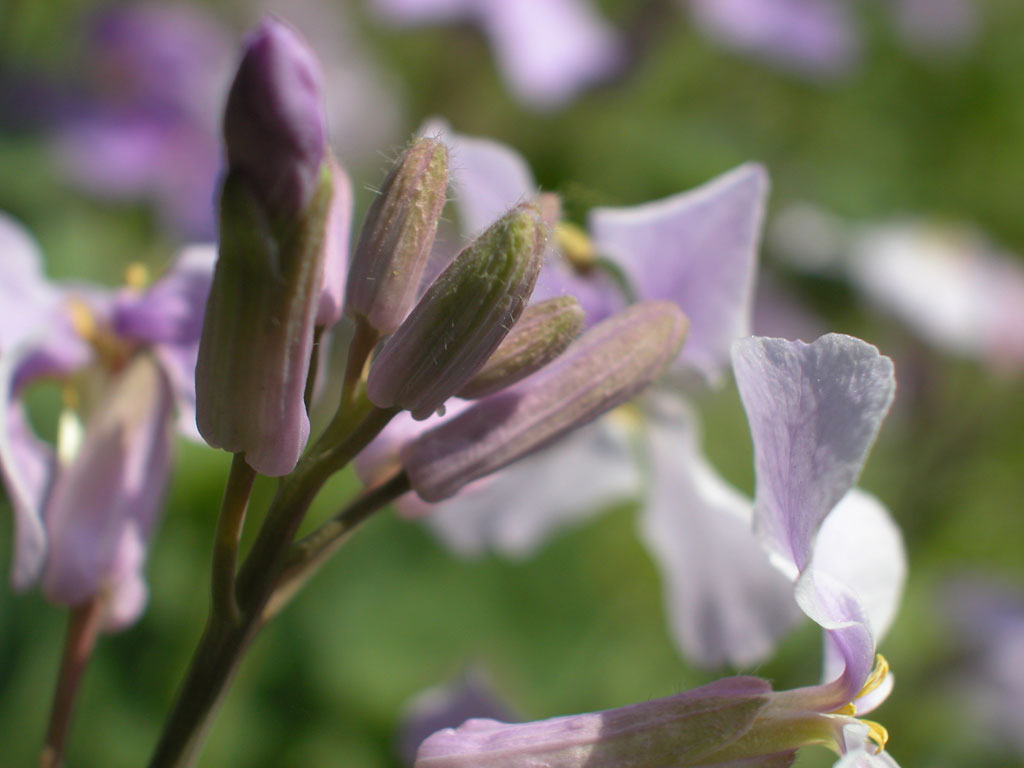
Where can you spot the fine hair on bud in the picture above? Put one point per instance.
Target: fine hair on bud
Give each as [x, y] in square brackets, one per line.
[462, 318]
[397, 236]
[604, 368]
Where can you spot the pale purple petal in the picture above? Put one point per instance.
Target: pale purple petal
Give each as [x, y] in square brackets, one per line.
[814, 411]
[517, 510]
[725, 602]
[178, 362]
[817, 38]
[171, 310]
[114, 484]
[549, 50]
[26, 299]
[487, 177]
[861, 546]
[596, 292]
[949, 285]
[698, 249]
[26, 465]
[127, 592]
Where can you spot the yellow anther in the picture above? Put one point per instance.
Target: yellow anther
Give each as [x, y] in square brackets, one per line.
[877, 676]
[83, 320]
[846, 709]
[877, 733]
[136, 275]
[576, 245]
[627, 417]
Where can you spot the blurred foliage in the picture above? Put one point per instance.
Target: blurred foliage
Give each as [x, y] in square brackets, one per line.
[578, 627]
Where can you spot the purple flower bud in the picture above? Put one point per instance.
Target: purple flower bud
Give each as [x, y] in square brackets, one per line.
[607, 366]
[397, 236]
[462, 318]
[541, 335]
[274, 126]
[339, 223]
[258, 329]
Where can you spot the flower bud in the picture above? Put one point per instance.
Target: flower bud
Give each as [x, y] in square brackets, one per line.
[336, 235]
[541, 335]
[607, 366]
[274, 126]
[397, 236]
[462, 318]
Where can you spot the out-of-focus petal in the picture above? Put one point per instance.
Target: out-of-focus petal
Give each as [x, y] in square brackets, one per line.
[178, 362]
[127, 592]
[860, 752]
[515, 511]
[487, 177]
[949, 286]
[816, 38]
[814, 411]
[725, 602]
[26, 465]
[447, 706]
[171, 310]
[698, 249]
[937, 25]
[596, 291]
[115, 484]
[549, 50]
[420, 11]
[26, 299]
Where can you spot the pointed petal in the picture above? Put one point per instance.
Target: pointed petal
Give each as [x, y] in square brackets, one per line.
[26, 299]
[725, 602]
[698, 249]
[518, 509]
[115, 484]
[814, 411]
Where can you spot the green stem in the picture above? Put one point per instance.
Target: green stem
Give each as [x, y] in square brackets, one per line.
[223, 645]
[227, 537]
[309, 554]
[83, 629]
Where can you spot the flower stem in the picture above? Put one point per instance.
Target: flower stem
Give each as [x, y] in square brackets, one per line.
[310, 553]
[223, 644]
[227, 537]
[83, 629]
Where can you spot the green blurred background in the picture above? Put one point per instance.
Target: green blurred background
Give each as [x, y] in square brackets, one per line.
[579, 626]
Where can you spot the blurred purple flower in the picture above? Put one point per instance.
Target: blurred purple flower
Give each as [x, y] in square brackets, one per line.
[85, 508]
[814, 411]
[949, 285]
[822, 38]
[698, 250]
[159, 74]
[547, 50]
[987, 619]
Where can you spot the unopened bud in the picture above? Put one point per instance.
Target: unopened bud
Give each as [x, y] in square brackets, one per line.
[541, 335]
[604, 368]
[462, 318]
[274, 127]
[397, 236]
[336, 236]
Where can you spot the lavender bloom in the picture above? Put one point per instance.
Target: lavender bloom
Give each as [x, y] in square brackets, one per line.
[548, 50]
[258, 327]
[987, 622]
[85, 508]
[161, 71]
[791, 390]
[696, 249]
[950, 285]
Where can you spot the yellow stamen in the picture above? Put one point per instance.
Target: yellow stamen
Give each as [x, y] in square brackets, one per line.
[846, 709]
[136, 275]
[83, 320]
[877, 676]
[627, 417]
[576, 245]
[877, 733]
